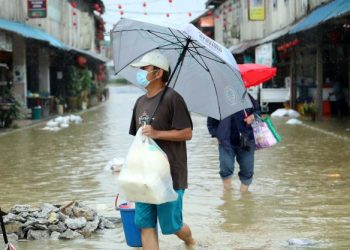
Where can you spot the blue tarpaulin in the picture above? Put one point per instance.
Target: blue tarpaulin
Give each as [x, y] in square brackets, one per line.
[30, 32]
[322, 14]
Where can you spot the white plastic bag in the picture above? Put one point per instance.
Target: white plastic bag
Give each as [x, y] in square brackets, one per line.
[145, 176]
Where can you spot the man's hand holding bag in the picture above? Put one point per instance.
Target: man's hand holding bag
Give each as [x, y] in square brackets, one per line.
[146, 177]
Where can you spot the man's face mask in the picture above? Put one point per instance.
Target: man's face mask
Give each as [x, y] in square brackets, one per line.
[141, 77]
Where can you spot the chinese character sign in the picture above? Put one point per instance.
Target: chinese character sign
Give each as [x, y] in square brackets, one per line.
[37, 8]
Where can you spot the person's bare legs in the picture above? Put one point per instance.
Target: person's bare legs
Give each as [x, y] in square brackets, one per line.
[149, 239]
[244, 188]
[185, 234]
[227, 183]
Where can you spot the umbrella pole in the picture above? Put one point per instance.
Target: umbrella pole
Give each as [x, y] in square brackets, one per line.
[3, 229]
[179, 60]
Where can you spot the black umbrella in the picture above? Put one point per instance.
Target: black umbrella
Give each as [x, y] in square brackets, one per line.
[9, 246]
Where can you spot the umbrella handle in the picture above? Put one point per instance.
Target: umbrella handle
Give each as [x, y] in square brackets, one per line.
[3, 229]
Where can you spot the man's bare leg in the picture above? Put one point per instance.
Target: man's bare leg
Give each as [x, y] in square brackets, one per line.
[227, 183]
[149, 238]
[244, 188]
[185, 234]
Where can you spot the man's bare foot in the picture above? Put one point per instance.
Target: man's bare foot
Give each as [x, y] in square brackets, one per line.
[244, 188]
[191, 245]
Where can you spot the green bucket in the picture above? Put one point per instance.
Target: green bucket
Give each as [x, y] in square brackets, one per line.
[36, 113]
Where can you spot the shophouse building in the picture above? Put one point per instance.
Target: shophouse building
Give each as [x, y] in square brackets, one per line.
[307, 41]
[41, 39]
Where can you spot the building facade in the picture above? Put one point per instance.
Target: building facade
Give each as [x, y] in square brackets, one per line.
[41, 39]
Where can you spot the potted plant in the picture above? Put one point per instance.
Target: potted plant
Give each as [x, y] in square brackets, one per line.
[309, 109]
[11, 109]
[74, 88]
[86, 82]
[60, 102]
[93, 95]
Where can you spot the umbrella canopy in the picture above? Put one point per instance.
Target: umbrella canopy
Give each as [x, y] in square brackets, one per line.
[254, 74]
[203, 72]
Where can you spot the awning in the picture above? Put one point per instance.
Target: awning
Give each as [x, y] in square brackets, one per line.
[90, 54]
[34, 33]
[30, 32]
[322, 14]
[274, 35]
[241, 47]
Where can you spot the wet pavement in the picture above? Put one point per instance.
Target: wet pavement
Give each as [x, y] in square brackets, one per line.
[300, 191]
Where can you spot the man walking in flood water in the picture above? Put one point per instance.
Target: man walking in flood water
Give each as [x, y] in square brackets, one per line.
[236, 142]
[171, 126]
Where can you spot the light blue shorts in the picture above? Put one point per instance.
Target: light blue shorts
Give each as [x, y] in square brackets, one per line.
[169, 215]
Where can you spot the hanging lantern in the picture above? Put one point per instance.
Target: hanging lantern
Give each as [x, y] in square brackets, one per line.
[96, 6]
[170, 1]
[230, 9]
[74, 4]
[74, 24]
[74, 13]
[189, 14]
[167, 15]
[81, 60]
[120, 7]
[121, 12]
[144, 4]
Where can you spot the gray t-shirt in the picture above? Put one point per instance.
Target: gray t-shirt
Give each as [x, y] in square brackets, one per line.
[171, 114]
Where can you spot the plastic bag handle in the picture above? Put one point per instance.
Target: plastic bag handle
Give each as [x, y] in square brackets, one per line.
[116, 202]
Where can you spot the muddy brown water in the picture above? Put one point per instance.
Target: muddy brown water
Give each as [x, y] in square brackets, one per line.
[300, 191]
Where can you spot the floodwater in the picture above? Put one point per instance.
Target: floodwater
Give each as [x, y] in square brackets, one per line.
[300, 191]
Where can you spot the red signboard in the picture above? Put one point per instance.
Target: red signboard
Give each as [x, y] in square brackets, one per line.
[37, 8]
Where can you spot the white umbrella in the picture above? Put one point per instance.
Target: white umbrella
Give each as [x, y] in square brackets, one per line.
[204, 72]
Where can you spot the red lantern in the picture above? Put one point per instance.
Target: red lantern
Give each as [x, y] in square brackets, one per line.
[120, 7]
[121, 12]
[144, 5]
[74, 4]
[230, 9]
[170, 1]
[81, 60]
[74, 13]
[167, 15]
[189, 14]
[74, 24]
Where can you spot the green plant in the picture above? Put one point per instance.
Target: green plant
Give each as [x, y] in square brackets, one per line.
[74, 85]
[60, 100]
[14, 108]
[85, 78]
[309, 108]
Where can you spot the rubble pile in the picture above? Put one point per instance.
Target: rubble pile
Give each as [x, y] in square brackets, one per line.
[69, 221]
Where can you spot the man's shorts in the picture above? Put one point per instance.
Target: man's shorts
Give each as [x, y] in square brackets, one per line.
[169, 215]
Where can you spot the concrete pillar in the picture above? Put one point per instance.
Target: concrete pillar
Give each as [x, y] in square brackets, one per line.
[319, 81]
[19, 67]
[44, 70]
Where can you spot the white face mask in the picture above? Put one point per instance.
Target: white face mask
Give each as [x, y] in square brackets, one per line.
[141, 77]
